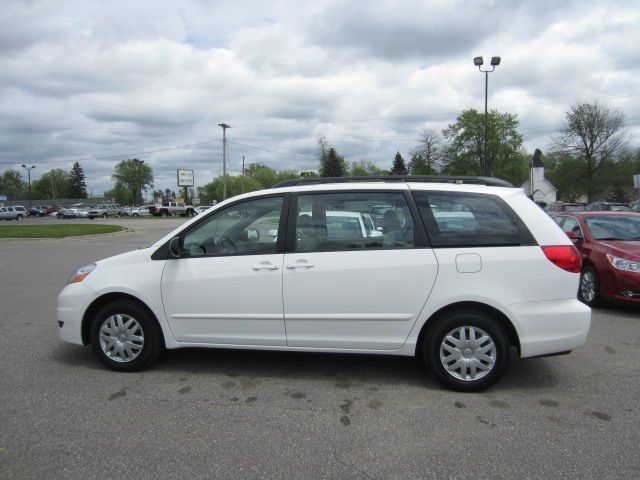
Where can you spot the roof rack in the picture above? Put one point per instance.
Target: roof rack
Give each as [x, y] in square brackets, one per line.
[489, 181]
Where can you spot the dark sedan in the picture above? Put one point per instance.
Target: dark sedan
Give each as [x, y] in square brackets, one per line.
[610, 246]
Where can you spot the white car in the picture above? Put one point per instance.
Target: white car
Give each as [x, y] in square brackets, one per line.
[17, 213]
[455, 291]
[142, 211]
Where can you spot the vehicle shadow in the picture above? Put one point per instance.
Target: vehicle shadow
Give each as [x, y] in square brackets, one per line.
[345, 370]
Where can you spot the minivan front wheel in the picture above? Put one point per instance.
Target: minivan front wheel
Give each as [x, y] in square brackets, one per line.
[124, 337]
[466, 351]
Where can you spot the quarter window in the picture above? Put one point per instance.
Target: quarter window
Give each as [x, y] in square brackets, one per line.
[455, 219]
[353, 221]
[247, 228]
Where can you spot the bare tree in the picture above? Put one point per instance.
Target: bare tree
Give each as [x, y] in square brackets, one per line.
[427, 155]
[591, 135]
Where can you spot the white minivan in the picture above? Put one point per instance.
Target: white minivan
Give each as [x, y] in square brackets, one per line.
[457, 275]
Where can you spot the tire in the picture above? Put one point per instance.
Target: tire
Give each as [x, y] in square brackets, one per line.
[457, 361]
[104, 215]
[164, 214]
[589, 290]
[134, 215]
[144, 338]
[19, 218]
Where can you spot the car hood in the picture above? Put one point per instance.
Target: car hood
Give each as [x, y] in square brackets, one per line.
[624, 249]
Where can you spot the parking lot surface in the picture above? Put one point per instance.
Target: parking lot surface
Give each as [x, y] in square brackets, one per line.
[243, 414]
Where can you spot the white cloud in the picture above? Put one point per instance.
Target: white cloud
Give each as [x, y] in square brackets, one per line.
[81, 80]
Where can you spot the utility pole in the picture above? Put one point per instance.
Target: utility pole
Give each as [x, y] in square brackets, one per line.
[224, 159]
[242, 179]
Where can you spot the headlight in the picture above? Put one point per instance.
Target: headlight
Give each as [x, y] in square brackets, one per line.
[81, 273]
[622, 264]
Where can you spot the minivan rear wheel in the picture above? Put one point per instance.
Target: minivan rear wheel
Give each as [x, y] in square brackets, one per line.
[124, 337]
[467, 351]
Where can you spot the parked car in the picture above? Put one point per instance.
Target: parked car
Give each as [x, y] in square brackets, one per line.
[566, 207]
[142, 211]
[13, 213]
[52, 211]
[202, 208]
[609, 243]
[67, 212]
[456, 294]
[82, 212]
[37, 211]
[635, 206]
[608, 207]
[104, 210]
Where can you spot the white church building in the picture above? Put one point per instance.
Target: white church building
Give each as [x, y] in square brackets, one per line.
[537, 187]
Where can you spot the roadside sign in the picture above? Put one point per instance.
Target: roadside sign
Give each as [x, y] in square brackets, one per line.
[185, 178]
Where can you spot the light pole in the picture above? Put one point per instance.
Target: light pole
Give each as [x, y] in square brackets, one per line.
[224, 159]
[28, 169]
[478, 61]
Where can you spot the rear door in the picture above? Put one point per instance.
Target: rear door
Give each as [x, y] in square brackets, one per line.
[349, 288]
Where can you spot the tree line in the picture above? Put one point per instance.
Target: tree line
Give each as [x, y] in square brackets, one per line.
[589, 156]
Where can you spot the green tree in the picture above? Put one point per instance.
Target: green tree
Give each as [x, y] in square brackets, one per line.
[263, 175]
[418, 165]
[77, 184]
[133, 175]
[364, 168]
[426, 157]
[592, 135]
[12, 185]
[560, 170]
[399, 167]
[53, 185]
[465, 151]
[618, 194]
[121, 193]
[332, 164]
[213, 190]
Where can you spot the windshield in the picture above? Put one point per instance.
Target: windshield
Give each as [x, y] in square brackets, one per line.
[614, 228]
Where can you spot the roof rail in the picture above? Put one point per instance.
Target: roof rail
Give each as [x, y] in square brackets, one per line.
[489, 181]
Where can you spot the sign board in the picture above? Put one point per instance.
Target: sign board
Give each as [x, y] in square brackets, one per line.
[3, 198]
[636, 181]
[185, 178]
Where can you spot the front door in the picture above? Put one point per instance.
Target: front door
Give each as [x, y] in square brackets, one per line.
[226, 289]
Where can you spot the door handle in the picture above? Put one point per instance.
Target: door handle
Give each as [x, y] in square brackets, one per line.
[300, 265]
[265, 266]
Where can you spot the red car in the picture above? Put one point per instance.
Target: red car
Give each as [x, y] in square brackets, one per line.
[610, 246]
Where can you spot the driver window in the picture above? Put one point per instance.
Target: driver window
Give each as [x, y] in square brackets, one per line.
[247, 228]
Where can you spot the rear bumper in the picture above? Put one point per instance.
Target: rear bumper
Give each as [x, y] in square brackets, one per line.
[547, 328]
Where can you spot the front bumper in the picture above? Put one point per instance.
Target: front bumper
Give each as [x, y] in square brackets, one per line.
[72, 303]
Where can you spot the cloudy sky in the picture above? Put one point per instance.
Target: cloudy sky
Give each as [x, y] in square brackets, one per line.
[99, 82]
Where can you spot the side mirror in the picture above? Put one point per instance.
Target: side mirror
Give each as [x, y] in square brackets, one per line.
[253, 235]
[175, 247]
[574, 236]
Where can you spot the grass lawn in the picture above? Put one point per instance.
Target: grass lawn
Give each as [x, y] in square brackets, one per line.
[55, 231]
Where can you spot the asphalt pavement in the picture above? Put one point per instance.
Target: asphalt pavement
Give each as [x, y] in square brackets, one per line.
[240, 414]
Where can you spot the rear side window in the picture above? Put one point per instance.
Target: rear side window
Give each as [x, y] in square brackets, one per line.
[454, 219]
[353, 221]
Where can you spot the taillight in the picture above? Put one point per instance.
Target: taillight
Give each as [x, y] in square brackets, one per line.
[564, 256]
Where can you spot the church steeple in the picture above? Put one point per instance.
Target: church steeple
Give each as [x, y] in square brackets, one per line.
[537, 159]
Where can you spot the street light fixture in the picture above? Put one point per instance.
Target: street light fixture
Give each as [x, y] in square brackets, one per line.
[28, 169]
[478, 62]
[224, 159]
